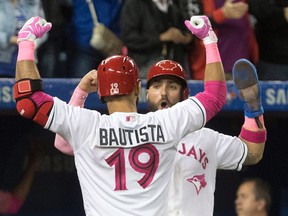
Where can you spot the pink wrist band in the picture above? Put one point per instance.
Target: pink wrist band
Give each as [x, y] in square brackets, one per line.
[78, 97]
[251, 124]
[26, 50]
[253, 136]
[212, 53]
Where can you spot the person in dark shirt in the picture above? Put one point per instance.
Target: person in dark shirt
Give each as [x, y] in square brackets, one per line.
[271, 30]
[153, 30]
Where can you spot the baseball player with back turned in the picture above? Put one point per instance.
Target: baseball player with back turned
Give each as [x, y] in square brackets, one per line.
[124, 160]
[202, 152]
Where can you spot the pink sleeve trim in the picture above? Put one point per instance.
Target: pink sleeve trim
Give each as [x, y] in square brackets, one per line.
[213, 98]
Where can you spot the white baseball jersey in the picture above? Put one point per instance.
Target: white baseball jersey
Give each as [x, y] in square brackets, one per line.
[123, 180]
[199, 156]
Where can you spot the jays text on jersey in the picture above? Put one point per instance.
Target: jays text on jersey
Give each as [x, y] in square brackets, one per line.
[199, 156]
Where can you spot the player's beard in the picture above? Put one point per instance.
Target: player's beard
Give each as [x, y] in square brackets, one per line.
[164, 103]
[152, 107]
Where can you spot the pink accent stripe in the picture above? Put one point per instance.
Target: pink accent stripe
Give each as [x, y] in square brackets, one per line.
[257, 137]
[212, 53]
[26, 50]
[40, 97]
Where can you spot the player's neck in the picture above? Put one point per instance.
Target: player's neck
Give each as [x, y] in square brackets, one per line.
[121, 106]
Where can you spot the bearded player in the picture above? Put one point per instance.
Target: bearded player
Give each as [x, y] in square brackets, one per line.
[202, 152]
[124, 160]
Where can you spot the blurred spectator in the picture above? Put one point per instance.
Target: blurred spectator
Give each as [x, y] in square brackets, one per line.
[196, 51]
[236, 38]
[271, 30]
[154, 30]
[253, 198]
[81, 56]
[12, 198]
[53, 53]
[13, 15]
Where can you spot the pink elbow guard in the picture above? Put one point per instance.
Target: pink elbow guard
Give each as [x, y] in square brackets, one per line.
[31, 101]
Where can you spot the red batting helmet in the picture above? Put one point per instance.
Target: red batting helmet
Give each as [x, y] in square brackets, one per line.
[117, 75]
[169, 68]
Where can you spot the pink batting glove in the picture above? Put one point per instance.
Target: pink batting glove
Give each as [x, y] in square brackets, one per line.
[34, 28]
[201, 27]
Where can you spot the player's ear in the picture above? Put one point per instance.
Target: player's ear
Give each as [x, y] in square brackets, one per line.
[138, 88]
[261, 204]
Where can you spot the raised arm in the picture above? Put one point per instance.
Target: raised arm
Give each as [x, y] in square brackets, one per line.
[88, 84]
[34, 28]
[31, 101]
[253, 131]
[214, 96]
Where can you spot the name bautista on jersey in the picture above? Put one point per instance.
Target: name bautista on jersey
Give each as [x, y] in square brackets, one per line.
[131, 137]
